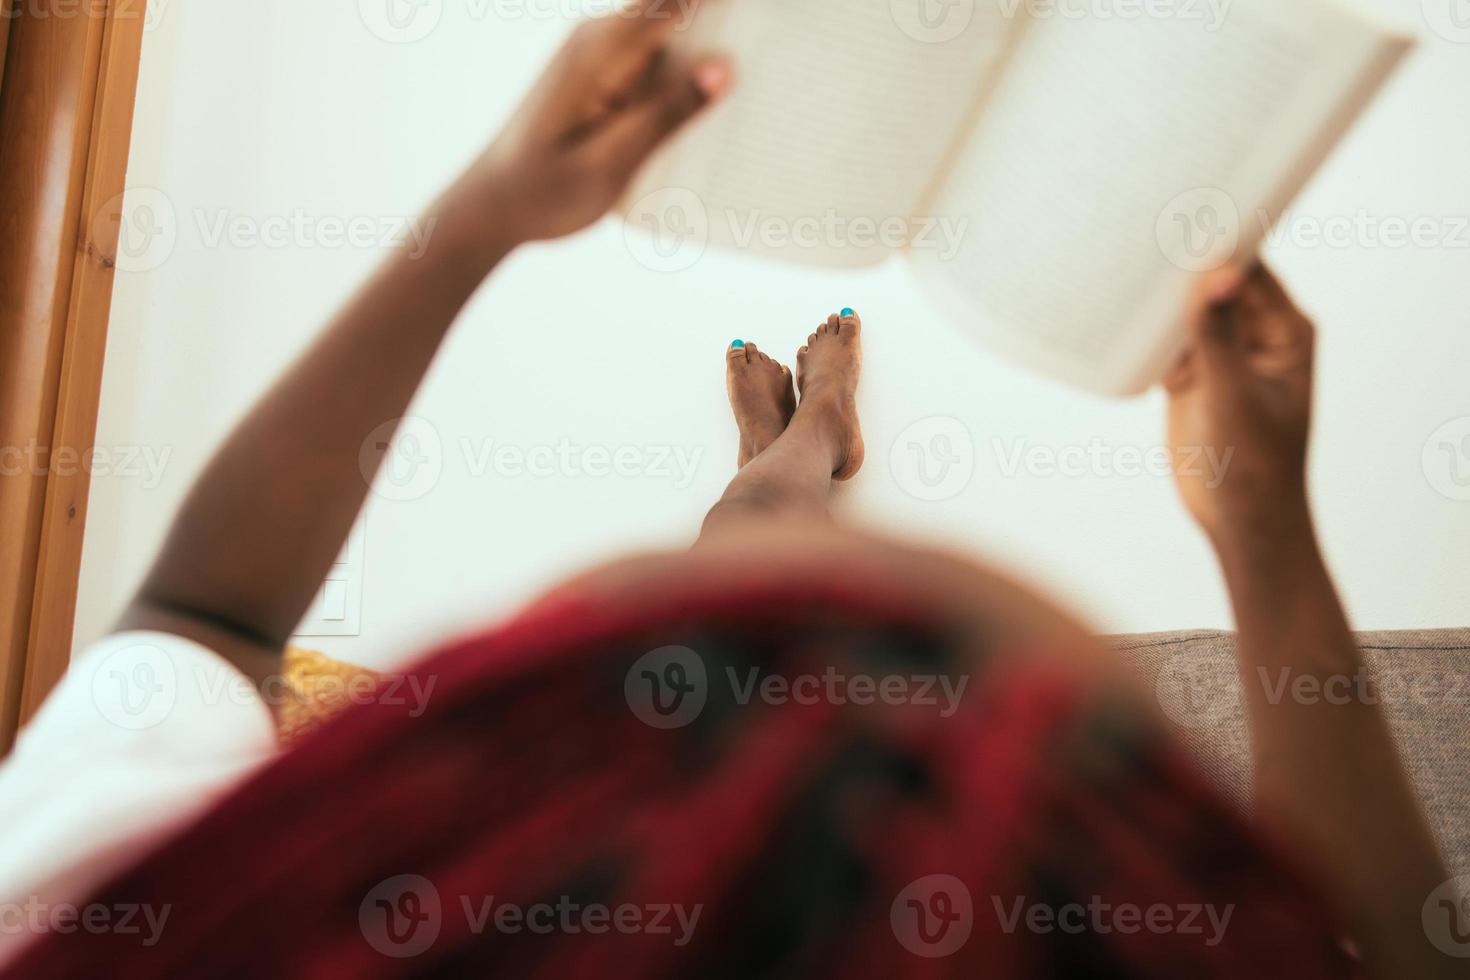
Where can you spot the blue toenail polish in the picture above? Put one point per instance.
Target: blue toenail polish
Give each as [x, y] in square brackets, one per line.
[738, 343]
[847, 312]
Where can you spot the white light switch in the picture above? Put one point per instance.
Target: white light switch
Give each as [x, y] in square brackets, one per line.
[332, 603]
[337, 610]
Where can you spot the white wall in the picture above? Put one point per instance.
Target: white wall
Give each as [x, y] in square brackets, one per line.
[282, 107]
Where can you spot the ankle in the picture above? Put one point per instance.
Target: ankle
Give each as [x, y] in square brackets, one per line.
[821, 414]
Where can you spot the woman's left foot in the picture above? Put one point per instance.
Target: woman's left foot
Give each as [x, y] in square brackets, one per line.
[761, 395]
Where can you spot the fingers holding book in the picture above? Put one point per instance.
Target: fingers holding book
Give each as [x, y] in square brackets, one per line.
[1247, 317]
[611, 96]
[1241, 395]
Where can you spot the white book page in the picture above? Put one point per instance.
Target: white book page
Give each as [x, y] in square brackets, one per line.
[1119, 158]
[838, 123]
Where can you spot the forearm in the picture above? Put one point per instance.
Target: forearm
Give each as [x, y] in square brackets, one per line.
[1328, 776]
[264, 523]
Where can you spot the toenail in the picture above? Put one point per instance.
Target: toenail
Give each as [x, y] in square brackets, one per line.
[738, 343]
[847, 312]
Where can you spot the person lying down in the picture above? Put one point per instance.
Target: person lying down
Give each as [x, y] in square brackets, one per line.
[795, 750]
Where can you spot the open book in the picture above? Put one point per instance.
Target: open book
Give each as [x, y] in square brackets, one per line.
[1055, 171]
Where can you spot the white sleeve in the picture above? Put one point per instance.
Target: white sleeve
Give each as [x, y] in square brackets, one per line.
[143, 734]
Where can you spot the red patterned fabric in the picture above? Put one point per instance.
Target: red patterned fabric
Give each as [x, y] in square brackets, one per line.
[619, 792]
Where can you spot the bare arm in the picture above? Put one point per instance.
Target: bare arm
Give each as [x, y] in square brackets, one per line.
[1327, 773]
[259, 531]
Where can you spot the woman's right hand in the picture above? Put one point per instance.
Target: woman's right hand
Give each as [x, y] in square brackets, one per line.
[1241, 398]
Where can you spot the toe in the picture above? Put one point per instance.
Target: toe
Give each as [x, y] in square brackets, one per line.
[811, 339]
[752, 352]
[735, 352]
[852, 324]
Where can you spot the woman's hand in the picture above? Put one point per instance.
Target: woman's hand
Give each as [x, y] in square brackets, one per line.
[1244, 393]
[1328, 779]
[610, 97]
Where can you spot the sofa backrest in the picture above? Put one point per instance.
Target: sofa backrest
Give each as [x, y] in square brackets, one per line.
[1422, 678]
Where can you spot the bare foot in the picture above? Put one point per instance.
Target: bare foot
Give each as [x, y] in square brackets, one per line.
[827, 371]
[761, 396]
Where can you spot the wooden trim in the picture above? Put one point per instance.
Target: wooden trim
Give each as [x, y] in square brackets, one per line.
[81, 370]
[5, 7]
[65, 128]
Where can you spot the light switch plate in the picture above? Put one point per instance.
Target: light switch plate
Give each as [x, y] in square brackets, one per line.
[337, 610]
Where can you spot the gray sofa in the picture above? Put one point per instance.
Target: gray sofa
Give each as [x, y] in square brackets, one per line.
[1424, 682]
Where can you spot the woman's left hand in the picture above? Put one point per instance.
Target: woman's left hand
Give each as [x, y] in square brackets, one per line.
[609, 98]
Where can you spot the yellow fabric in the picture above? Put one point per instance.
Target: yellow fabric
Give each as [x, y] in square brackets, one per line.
[319, 689]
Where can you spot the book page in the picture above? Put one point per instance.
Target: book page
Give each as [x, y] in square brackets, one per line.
[1118, 158]
[842, 113]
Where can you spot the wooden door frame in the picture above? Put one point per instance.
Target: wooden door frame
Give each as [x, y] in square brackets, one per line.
[70, 73]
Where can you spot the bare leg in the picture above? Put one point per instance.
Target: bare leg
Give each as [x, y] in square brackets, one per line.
[790, 472]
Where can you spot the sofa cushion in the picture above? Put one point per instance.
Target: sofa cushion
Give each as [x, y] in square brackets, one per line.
[1422, 678]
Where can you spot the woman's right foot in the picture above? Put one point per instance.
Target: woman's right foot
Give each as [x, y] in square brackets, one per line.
[761, 396]
[827, 370]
